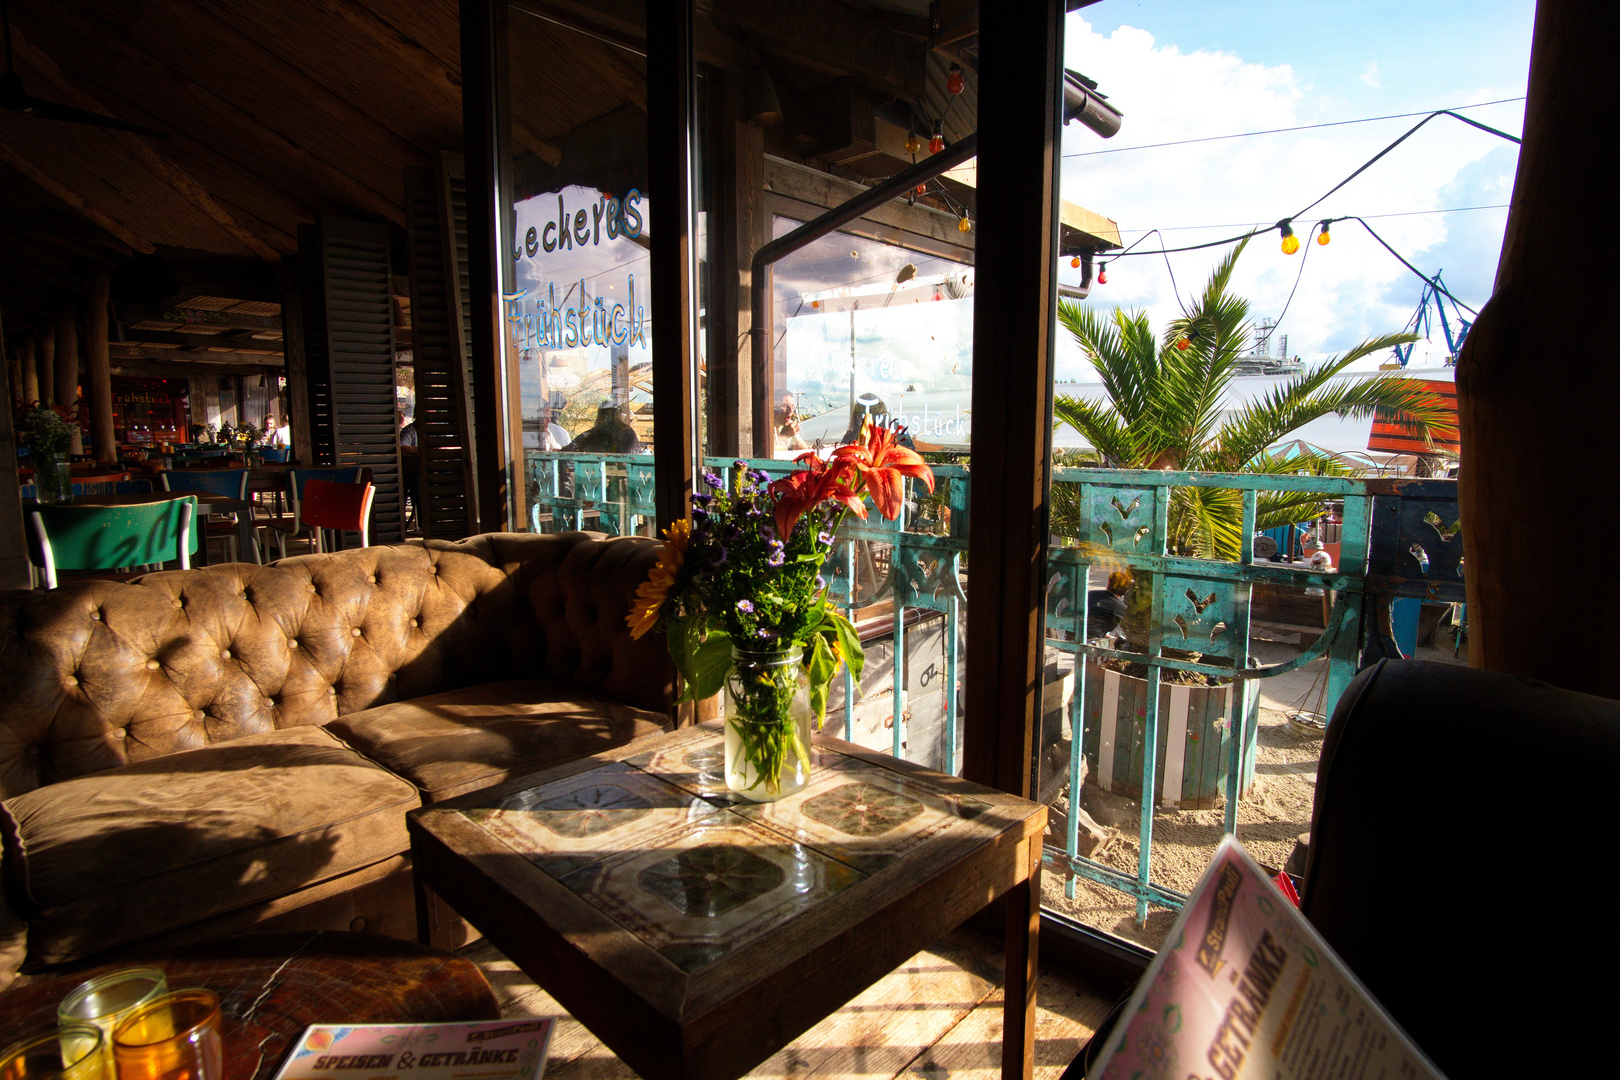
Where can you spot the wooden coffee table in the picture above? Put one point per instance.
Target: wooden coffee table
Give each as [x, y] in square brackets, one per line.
[696, 934]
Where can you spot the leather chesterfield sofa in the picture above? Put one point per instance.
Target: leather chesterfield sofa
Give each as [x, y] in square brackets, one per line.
[202, 752]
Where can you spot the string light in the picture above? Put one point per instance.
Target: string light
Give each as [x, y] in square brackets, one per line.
[964, 225]
[1075, 262]
[953, 81]
[1323, 237]
[913, 144]
[1102, 273]
[1290, 242]
[937, 142]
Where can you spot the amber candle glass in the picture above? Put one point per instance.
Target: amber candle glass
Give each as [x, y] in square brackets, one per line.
[174, 1037]
[106, 1000]
[73, 1052]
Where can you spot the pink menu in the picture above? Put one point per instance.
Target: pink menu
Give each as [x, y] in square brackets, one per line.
[1245, 987]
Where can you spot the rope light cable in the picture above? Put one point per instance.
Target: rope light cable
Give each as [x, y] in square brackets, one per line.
[1300, 127]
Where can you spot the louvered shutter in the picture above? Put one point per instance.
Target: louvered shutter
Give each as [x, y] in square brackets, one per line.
[436, 234]
[350, 346]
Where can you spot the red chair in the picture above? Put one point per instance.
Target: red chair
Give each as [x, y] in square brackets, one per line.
[326, 504]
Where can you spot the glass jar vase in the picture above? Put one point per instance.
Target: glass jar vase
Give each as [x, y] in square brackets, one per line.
[767, 724]
[53, 478]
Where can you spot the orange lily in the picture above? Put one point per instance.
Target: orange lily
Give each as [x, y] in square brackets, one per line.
[882, 461]
[809, 487]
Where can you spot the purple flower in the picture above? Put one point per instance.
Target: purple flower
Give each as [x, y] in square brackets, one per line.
[750, 510]
[825, 537]
[821, 582]
[730, 531]
[701, 498]
[777, 556]
[745, 606]
[713, 480]
[765, 635]
[740, 463]
[699, 514]
[759, 476]
[768, 532]
[717, 554]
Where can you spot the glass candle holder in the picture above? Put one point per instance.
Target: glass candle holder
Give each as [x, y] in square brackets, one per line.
[173, 1037]
[107, 999]
[74, 1052]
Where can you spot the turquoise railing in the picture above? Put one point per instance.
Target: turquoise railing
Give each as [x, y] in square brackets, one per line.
[1398, 539]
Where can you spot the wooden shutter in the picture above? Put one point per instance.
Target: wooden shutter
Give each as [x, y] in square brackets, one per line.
[436, 237]
[350, 345]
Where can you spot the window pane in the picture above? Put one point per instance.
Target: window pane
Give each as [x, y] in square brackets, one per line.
[579, 366]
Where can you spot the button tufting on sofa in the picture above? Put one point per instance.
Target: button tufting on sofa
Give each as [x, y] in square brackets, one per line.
[493, 675]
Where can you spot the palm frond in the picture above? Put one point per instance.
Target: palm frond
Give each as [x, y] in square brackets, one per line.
[1207, 521]
[1099, 424]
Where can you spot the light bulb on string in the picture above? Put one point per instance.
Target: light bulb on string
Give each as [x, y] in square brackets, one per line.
[953, 81]
[1323, 237]
[913, 144]
[964, 225]
[1075, 262]
[937, 142]
[1290, 242]
[1102, 273]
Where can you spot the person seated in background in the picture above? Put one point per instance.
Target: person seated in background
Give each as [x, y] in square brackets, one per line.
[787, 426]
[1105, 608]
[611, 434]
[553, 436]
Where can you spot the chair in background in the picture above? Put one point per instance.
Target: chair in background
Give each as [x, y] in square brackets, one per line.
[98, 484]
[212, 453]
[328, 505]
[111, 537]
[274, 453]
[232, 483]
[293, 526]
[132, 487]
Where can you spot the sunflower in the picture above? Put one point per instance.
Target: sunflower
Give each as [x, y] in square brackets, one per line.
[651, 594]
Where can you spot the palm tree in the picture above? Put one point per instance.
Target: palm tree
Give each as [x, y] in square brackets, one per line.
[1164, 411]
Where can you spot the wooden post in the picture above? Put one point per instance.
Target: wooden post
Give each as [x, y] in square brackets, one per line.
[30, 370]
[485, 107]
[67, 359]
[1531, 390]
[13, 550]
[1014, 325]
[46, 354]
[738, 195]
[98, 369]
[671, 120]
[292, 338]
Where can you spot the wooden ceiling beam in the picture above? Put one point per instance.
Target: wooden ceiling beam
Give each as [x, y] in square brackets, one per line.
[72, 198]
[831, 37]
[235, 320]
[55, 224]
[162, 167]
[139, 64]
[405, 49]
[196, 341]
[147, 369]
[121, 351]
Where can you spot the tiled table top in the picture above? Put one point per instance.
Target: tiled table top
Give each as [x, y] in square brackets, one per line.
[722, 898]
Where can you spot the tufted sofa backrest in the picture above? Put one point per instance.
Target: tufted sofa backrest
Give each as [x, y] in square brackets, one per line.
[99, 674]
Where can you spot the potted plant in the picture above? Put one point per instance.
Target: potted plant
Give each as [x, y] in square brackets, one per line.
[47, 434]
[740, 596]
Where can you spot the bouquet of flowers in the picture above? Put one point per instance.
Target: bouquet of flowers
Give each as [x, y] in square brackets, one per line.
[742, 576]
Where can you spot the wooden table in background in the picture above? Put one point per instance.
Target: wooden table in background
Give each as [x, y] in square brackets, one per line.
[696, 934]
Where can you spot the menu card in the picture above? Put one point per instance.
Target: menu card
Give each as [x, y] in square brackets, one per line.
[1245, 987]
[490, 1050]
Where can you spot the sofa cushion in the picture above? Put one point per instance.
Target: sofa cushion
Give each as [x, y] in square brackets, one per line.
[449, 744]
[120, 855]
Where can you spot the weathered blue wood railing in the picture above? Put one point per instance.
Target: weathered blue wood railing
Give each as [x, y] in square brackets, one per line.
[1399, 538]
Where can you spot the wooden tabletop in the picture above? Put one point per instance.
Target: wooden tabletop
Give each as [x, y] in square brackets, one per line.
[209, 502]
[695, 933]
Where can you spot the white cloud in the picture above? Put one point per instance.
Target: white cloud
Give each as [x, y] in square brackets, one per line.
[1349, 290]
[1370, 76]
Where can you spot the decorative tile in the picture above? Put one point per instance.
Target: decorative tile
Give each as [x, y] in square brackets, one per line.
[710, 887]
[573, 822]
[862, 814]
[699, 766]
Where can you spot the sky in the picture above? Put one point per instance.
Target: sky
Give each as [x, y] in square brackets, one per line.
[1189, 69]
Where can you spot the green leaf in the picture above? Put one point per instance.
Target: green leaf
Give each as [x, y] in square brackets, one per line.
[820, 668]
[704, 660]
[849, 642]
